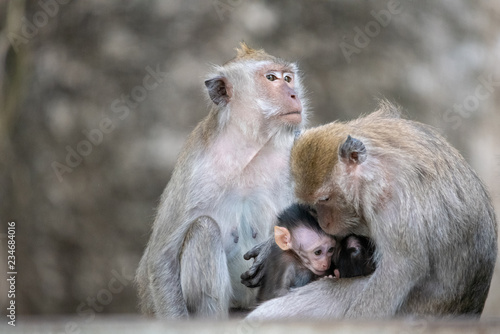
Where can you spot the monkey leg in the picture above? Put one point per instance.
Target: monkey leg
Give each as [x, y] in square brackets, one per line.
[204, 274]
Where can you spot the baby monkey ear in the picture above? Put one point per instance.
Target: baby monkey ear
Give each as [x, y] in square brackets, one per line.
[282, 237]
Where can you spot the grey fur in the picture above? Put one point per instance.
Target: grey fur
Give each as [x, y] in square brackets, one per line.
[211, 214]
[284, 272]
[428, 214]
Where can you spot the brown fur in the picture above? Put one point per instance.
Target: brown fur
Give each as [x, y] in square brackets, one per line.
[316, 154]
[318, 158]
[244, 52]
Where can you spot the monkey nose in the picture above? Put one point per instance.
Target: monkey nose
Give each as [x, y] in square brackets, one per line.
[295, 100]
[291, 92]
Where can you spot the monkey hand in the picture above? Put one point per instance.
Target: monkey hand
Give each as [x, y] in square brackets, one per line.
[336, 273]
[252, 278]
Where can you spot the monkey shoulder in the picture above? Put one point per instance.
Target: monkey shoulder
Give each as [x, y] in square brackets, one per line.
[295, 273]
[284, 271]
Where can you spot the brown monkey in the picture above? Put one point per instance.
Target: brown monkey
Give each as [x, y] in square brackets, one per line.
[230, 182]
[429, 216]
[302, 253]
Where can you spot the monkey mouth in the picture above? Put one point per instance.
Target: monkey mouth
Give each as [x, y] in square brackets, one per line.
[319, 272]
[294, 117]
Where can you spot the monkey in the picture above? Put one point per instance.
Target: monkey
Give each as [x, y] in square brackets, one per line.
[354, 257]
[302, 252]
[231, 180]
[401, 184]
[293, 263]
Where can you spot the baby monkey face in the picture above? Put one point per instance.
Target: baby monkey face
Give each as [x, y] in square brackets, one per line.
[314, 249]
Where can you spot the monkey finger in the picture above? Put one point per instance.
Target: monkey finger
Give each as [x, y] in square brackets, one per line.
[253, 277]
[251, 273]
[336, 273]
[252, 253]
[257, 279]
[248, 256]
[252, 282]
[249, 284]
[248, 274]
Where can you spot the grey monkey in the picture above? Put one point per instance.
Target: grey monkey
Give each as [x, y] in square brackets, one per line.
[230, 182]
[429, 216]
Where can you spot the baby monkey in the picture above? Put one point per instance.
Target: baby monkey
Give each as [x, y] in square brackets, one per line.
[354, 257]
[303, 253]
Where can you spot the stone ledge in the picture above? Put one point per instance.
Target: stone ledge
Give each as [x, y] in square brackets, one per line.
[125, 324]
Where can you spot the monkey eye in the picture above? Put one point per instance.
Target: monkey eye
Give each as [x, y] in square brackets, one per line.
[271, 77]
[324, 199]
[288, 78]
[318, 252]
[331, 249]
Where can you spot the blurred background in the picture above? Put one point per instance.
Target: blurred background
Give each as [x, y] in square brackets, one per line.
[97, 97]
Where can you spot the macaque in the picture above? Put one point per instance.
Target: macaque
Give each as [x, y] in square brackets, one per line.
[354, 257]
[430, 218]
[302, 252]
[231, 180]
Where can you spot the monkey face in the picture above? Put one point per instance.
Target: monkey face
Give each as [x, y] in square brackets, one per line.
[277, 86]
[326, 164]
[335, 215]
[315, 250]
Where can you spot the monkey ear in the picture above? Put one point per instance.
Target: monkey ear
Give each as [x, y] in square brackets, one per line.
[353, 245]
[219, 90]
[352, 151]
[282, 237]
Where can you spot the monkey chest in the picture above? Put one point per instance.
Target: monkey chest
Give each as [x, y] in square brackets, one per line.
[248, 195]
[247, 219]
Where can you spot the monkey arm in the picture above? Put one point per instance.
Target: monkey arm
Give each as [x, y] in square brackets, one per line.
[329, 298]
[404, 266]
[386, 290]
[252, 278]
[284, 280]
[323, 299]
